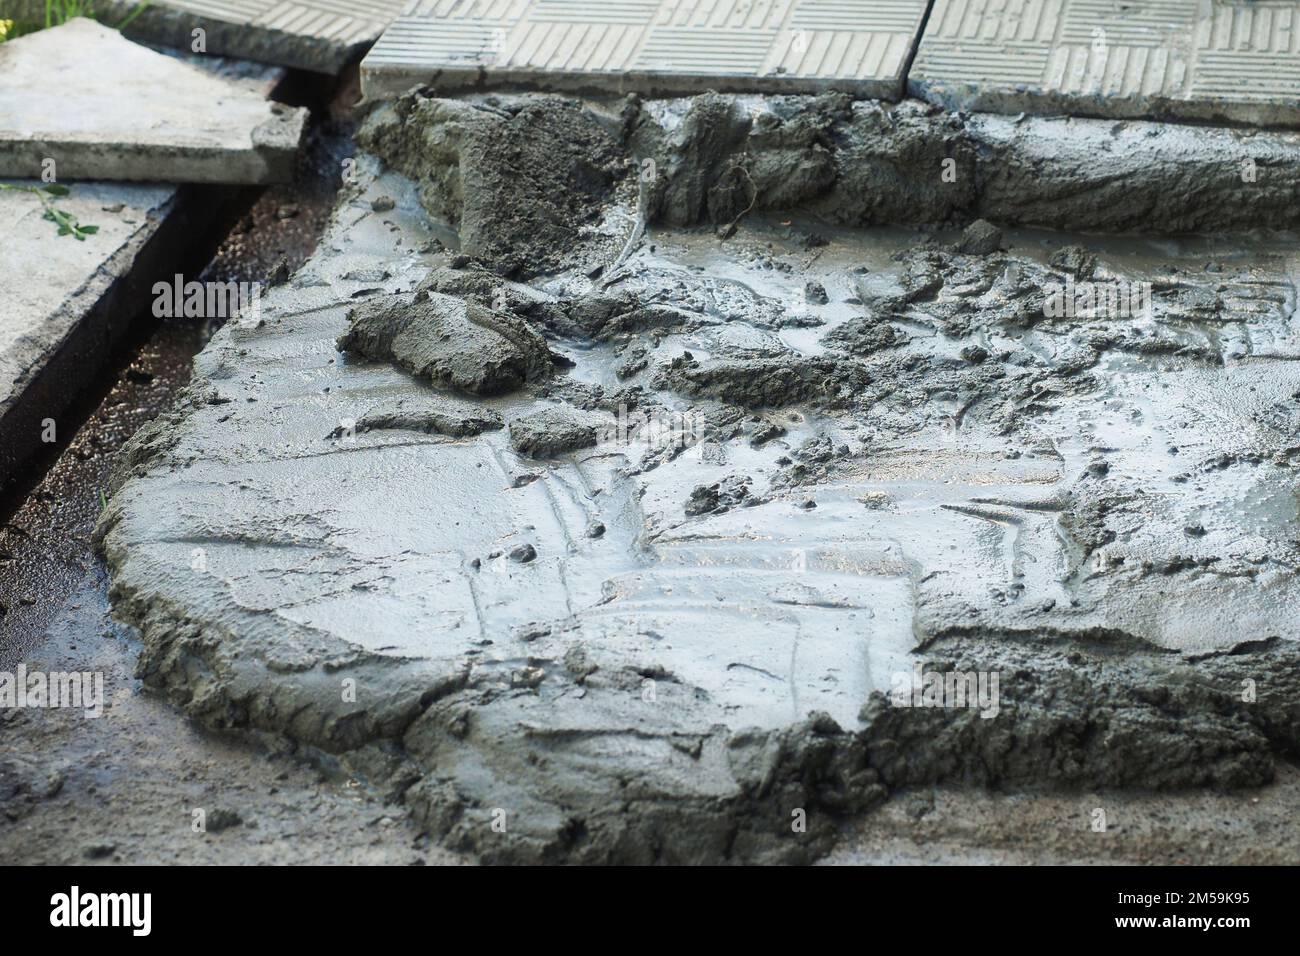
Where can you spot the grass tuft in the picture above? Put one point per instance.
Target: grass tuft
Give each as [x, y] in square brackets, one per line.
[66, 222]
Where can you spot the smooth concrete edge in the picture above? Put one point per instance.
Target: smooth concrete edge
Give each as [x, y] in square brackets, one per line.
[86, 162]
[389, 83]
[271, 157]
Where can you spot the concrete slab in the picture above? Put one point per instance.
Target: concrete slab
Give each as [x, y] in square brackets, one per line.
[649, 46]
[1222, 60]
[146, 116]
[59, 306]
[322, 36]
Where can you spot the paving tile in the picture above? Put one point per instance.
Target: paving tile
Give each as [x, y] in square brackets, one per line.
[145, 116]
[318, 35]
[649, 46]
[1221, 60]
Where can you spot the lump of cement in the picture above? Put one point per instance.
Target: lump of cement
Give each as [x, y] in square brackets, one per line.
[518, 176]
[1076, 260]
[448, 341]
[477, 284]
[432, 414]
[602, 317]
[552, 431]
[864, 335]
[980, 238]
[813, 462]
[523, 553]
[695, 175]
[720, 497]
[765, 382]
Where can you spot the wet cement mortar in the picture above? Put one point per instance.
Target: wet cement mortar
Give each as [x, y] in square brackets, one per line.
[402, 516]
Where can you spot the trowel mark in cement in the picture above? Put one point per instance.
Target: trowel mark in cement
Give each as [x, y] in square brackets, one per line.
[145, 116]
[502, 655]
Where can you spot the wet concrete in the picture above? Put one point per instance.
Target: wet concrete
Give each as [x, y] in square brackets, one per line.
[648, 651]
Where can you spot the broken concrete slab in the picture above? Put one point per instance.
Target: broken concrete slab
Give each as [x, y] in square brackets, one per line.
[65, 303]
[1225, 61]
[1099, 510]
[649, 46]
[147, 117]
[316, 35]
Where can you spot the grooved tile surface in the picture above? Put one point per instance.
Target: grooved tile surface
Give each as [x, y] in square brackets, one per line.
[1235, 60]
[651, 46]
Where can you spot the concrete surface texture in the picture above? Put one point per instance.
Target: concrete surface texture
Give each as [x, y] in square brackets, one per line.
[1225, 60]
[322, 36]
[98, 106]
[53, 304]
[829, 455]
[649, 46]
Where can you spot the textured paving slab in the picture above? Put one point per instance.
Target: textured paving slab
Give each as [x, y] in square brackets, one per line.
[58, 297]
[649, 46]
[318, 35]
[1232, 60]
[145, 116]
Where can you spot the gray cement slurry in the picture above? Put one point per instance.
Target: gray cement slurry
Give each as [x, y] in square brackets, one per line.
[1222, 60]
[898, 453]
[322, 36]
[649, 46]
[146, 117]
